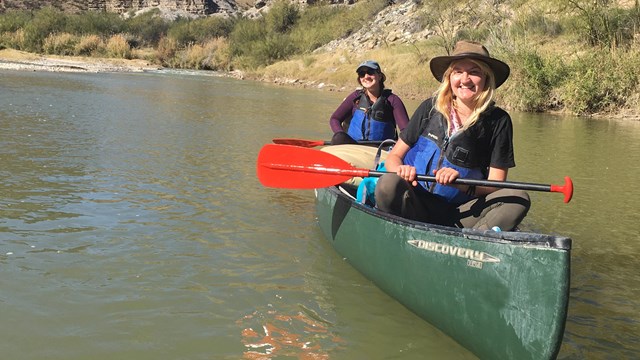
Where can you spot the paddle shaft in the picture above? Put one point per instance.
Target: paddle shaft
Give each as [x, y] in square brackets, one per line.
[355, 172]
[314, 143]
[474, 182]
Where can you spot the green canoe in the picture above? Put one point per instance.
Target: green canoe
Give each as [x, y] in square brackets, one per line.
[501, 295]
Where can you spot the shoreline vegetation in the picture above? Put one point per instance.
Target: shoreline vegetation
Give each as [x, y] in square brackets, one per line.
[567, 56]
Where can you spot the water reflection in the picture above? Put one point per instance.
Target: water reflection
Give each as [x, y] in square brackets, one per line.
[270, 334]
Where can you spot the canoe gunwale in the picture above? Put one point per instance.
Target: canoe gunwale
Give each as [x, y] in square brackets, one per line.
[520, 238]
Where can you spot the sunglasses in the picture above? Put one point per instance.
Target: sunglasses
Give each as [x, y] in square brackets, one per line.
[362, 73]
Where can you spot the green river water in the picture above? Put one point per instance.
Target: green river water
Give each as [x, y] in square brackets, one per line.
[132, 226]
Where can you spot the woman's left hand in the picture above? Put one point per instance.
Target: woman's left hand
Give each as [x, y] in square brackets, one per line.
[446, 176]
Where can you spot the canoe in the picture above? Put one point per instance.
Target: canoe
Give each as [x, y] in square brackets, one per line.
[501, 295]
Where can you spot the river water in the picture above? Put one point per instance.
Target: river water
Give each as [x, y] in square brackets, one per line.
[132, 226]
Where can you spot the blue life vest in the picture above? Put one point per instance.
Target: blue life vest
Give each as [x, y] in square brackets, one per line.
[368, 121]
[435, 150]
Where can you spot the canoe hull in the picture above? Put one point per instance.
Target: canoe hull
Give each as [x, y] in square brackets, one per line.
[500, 295]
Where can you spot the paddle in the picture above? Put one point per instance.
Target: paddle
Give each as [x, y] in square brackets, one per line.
[314, 143]
[293, 167]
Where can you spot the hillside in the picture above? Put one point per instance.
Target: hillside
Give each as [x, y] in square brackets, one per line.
[560, 62]
[570, 56]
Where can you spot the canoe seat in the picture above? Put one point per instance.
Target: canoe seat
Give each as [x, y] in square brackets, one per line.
[359, 156]
[348, 189]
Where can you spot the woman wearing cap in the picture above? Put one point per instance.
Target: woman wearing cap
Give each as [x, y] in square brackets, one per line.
[370, 113]
[458, 133]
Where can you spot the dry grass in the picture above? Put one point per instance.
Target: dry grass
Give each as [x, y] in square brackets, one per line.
[88, 45]
[60, 44]
[118, 47]
[337, 70]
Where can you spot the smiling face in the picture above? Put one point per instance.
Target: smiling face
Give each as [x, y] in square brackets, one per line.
[467, 80]
[369, 78]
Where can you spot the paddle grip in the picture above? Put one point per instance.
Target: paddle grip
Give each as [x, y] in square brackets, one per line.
[566, 189]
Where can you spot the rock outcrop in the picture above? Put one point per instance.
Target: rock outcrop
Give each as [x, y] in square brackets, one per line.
[396, 24]
[192, 7]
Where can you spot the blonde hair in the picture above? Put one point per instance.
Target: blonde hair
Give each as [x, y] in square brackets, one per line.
[444, 94]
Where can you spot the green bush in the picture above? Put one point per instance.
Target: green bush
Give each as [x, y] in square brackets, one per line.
[245, 34]
[187, 31]
[281, 17]
[275, 47]
[272, 48]
[182, 32]
[321, 24]
[284, 31]
[13, 20]
[94, 22]
[533, 79]
[535, 23]
[602, 24]
[148, 27]
[600, 81]
[45, 22]
[213, 27]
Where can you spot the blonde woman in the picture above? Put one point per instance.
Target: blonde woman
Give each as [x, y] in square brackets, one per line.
[458, 133]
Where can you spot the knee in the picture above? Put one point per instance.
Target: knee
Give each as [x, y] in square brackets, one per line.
[506, 209]
[514, 196]
[386, 190]
[518, 203]
[342, 137]
[382, 187]
[522, 199]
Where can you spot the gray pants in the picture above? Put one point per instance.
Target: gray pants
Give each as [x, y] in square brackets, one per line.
[504, 208]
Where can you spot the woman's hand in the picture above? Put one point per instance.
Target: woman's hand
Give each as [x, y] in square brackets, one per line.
[394, 163]
[446, 176]
[408, 173]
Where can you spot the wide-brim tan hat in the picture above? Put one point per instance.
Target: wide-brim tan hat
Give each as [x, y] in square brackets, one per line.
[470, 50]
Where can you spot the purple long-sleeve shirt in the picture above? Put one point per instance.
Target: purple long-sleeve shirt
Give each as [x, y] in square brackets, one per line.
[345, 111]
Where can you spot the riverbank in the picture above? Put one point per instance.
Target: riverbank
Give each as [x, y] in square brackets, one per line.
[323, 74]
[19, 60]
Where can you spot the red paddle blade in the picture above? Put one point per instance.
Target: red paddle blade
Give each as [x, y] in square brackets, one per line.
[293, 167]
[299, 142]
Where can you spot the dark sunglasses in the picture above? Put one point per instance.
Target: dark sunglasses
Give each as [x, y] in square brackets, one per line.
[362, 73]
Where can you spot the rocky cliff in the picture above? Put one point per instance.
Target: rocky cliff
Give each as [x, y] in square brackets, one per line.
[192, 7]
